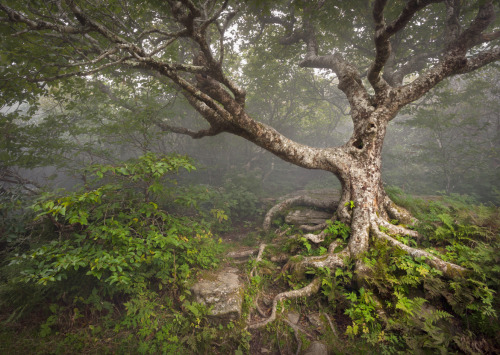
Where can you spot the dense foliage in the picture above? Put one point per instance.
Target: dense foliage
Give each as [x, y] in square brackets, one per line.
[95, 97]
[405, 305]
[110, 257]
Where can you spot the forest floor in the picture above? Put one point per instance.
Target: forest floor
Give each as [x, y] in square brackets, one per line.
[300, 322]
[406, 308]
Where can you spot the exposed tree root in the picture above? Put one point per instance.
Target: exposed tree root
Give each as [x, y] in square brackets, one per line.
[314, 228]
[315, 238]
[262, 247]
[330, 323]
[329, 260]
[302, 200]
[308, 290]
[396, 212]
[448, 269]
[364, 223]
[395, 229]
[261, 312]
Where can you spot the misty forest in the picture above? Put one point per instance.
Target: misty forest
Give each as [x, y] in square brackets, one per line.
[249, 177]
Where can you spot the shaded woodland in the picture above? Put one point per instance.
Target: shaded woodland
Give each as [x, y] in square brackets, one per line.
[142, 143]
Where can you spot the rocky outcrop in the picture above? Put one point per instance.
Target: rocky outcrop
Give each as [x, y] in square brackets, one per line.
[307, 216]
[222, 291]
[316, 348]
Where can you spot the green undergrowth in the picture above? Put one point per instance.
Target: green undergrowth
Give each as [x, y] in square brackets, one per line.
[108, 268]
[404, 305]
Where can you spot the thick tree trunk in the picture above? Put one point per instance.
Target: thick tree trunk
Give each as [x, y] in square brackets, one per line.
[362, 180]
[364, 204]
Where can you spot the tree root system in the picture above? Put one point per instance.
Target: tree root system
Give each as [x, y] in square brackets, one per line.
[367, 225]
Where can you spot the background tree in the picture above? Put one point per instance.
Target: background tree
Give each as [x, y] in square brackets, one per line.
[454, 143]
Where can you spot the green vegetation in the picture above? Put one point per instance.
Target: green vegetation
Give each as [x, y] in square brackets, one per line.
[108, 268]
[105, 226]
[405, 304]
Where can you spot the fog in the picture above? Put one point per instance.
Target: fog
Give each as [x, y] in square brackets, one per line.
[441, 144]
[445, 143]
[249, 177]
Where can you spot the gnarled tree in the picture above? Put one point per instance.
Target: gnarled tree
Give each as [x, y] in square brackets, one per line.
[383, 55]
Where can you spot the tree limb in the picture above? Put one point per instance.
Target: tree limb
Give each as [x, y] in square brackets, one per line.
[382, 35]
[38, 25]
[77, 73]
[480, 60]
[454, 60]
[193, 134]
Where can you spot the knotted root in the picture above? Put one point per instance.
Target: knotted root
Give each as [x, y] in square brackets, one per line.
[308, 290]
[261, 312]
[317, 227]
[329, 260]
[262, 247]
[395, 229]
[315, 238]
[396, 212]
[363, 224]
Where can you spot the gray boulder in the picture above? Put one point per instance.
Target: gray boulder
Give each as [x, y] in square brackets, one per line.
[221, 290]
[316, 348]
[307, 216]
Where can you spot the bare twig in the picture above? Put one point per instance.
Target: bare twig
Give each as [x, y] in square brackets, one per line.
[331, 324]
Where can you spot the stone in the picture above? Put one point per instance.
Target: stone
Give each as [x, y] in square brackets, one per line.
[221, 290]
[316, 348]
[242, 255]
[293, 317]
[307, 216]
[315, 320]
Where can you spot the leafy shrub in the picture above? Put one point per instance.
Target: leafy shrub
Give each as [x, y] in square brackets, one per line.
[116, 233]
[115, 248]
